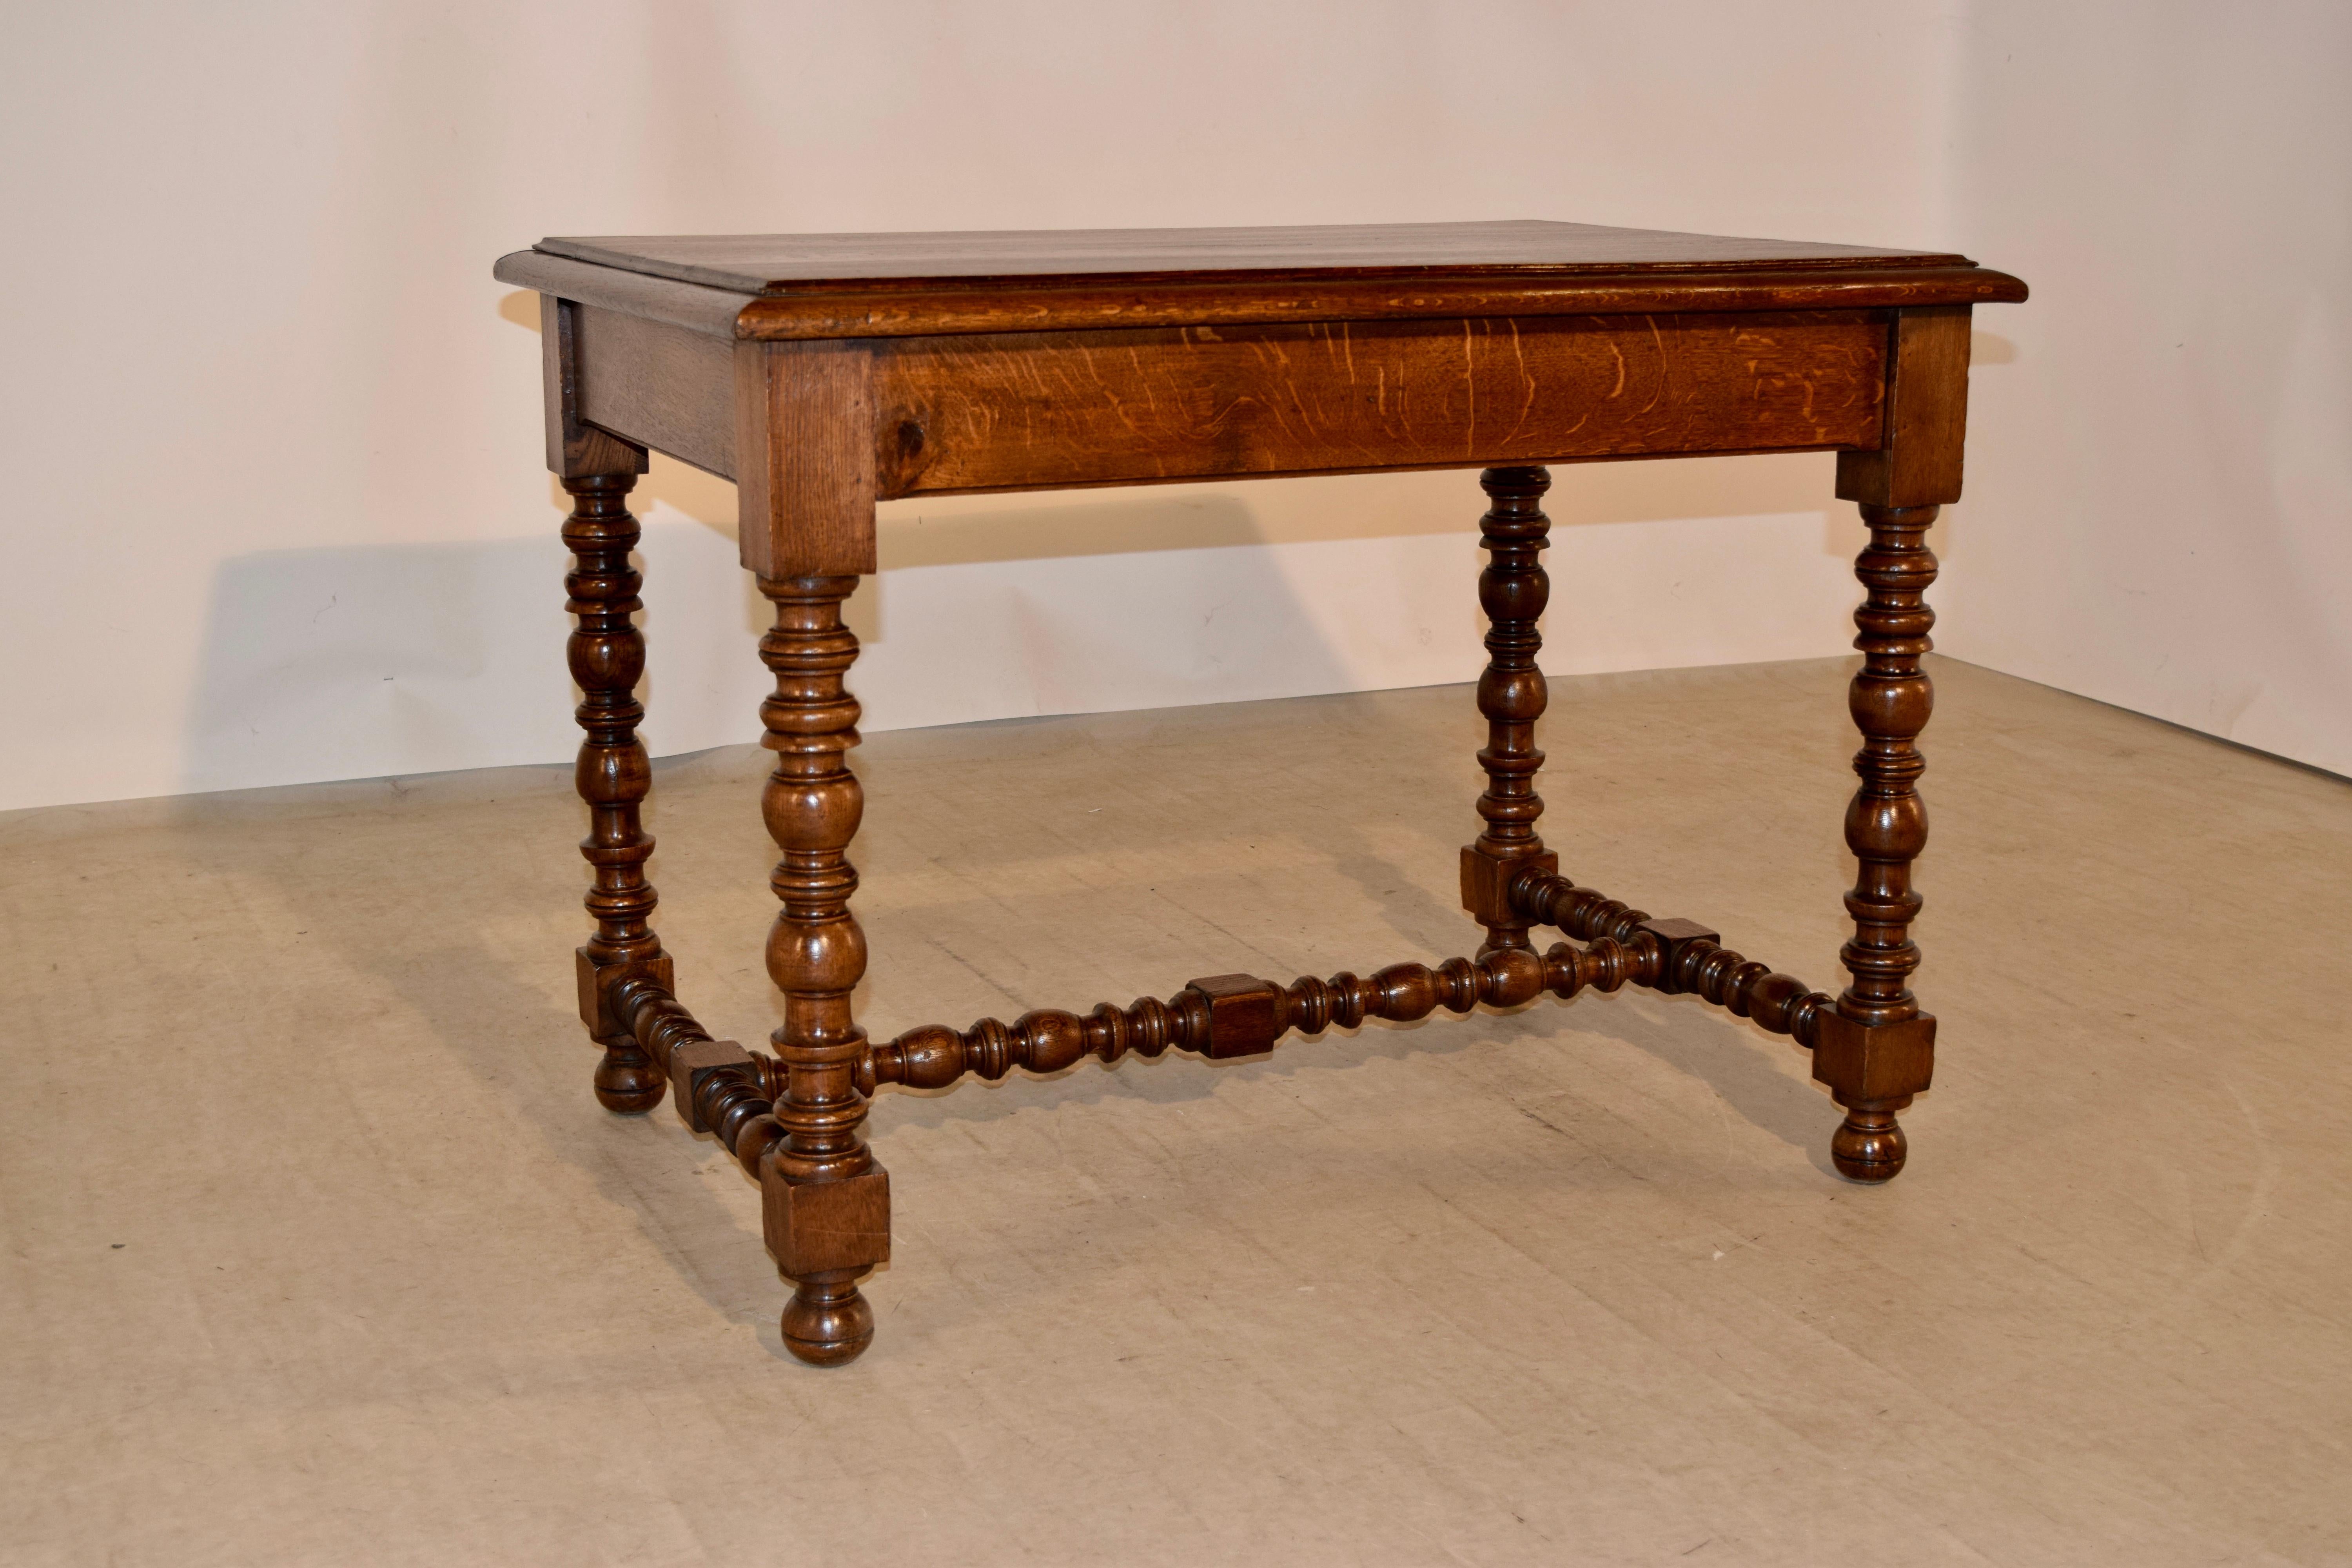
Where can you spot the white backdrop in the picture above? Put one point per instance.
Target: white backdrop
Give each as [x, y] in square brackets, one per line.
[271, 428]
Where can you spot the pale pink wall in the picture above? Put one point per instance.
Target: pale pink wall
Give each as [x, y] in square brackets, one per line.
[271, 428]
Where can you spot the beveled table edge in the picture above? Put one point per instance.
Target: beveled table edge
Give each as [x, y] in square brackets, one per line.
[1110, 301]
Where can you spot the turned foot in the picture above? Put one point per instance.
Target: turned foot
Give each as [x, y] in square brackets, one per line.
[627, 1081]
[827, 1323]
[1869, 1145]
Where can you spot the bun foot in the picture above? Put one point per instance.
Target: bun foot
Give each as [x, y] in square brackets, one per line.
[628, 1084]
[828, 1322]
[1869, 1146]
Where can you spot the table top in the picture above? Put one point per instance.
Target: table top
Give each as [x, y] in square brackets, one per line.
[887, 284]
[788, 263]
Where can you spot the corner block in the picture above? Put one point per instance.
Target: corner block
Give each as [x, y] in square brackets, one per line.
[1487, 884]
[819, 1227]
[596, 981]
[1875, 1061]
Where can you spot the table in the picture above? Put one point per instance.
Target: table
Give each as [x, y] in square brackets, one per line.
[824, 372]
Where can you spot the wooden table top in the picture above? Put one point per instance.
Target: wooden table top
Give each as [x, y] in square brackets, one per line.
[881, 285]
[784, 263]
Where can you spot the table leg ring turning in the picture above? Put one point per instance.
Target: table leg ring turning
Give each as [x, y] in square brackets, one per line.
[794, 1119]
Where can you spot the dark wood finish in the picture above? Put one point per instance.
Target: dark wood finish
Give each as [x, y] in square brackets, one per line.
[827, 1202]
[723, 1088]
[787, 287]
[825, 372]
[1690, 959]
[912, 285]
[1878, 1049]
[784, 263]
[1918, 462]
[1513, 591]
[1230, 1015]
[607, 655]
[804, 483]
[1027, 411]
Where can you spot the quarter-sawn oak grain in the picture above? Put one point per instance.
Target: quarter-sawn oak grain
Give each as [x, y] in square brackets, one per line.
[1023, 411]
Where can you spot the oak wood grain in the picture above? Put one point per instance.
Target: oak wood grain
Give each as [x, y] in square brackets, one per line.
[574, 447]
[1024, 411]
[804, 482]
[854, 285]
[773, 263]
[1919, 462]
[658, 385]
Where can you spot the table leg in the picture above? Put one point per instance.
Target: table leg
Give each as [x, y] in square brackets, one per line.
[1876, 1049]
[607, 655]
[827, 1201]
[1512, 590]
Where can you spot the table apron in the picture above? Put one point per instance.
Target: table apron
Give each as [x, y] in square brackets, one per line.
[1045, 410]
[1018, 411]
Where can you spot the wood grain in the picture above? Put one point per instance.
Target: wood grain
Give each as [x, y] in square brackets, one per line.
[1878, 1048]
[826, 1202]
[786, 287]
[1030, 411]
[1513, 591]
[607, 657]
[658, 385]
[824, 372]
[804, 435]
[574, 447]
[710, 311]
[769, 263]
[1090, 305]
[1926, 416]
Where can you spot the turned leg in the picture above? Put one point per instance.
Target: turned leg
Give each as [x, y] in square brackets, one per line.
[1878, 1048]
[607, 655]
[1512, 590]
[827, 1202]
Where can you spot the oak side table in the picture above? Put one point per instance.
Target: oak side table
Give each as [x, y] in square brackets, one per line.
[823, 373]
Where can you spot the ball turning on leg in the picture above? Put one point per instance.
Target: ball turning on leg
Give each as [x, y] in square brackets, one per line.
[828, 1322]
[1869, 1145]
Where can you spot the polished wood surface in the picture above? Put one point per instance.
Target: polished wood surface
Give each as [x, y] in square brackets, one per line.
[827, 1202]
[911, 285]
[1513, 591]
[780, 263]
[823, 373]
[607, 655]
[1030, 411]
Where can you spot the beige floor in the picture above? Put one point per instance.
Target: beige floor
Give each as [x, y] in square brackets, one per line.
[318, 1251]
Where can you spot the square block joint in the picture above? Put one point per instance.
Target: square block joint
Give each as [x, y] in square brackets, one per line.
[596, 981]
[692, 1063]
[821, 1227]
[1675, 937]
[1245, 1015]
[1875, 1061]
[1487, 884]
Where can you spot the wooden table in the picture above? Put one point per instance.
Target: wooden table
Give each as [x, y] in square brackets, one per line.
[823, 373]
